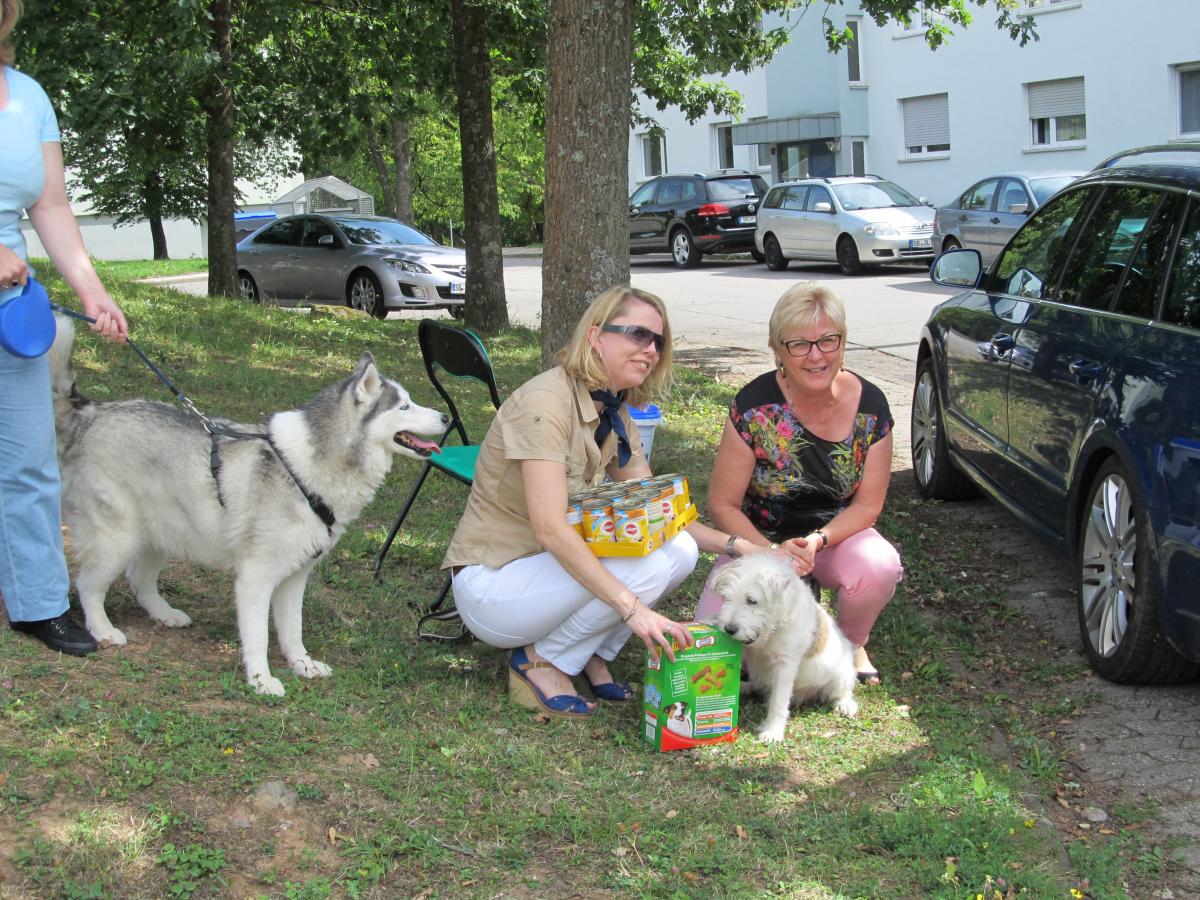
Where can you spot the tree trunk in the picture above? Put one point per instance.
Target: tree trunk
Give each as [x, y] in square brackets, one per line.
[222, 242]
[158, 237]
[486, 308]
[381, 169]
[402, 153]
[587, 161]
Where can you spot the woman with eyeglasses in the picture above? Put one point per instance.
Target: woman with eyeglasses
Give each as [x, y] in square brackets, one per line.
[523, 577]
[803, 467]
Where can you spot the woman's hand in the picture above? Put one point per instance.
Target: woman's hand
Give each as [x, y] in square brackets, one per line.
[110, 321]
[656, 630]
[802, 554]
[14, 271]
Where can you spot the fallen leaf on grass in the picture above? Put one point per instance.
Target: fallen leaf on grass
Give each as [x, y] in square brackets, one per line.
[620, 851]
[671, 813]
[546, 809]
[742, 833]
[369, 760]
[333, 835]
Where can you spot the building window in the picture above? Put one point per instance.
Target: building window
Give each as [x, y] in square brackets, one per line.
[652, 154]
[858, 157]
[765, 156]
[1056, 113]
[926, 125]
[854, 53]
[1188, 87]
[725, 146]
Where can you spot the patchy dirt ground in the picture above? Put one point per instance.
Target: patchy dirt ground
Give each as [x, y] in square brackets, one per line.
[1128, 753]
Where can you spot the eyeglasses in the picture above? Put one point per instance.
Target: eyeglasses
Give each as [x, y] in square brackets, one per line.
[826, 344]
[640, 335]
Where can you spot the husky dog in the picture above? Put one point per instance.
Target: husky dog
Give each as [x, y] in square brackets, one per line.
[794, 650]
[144, 482]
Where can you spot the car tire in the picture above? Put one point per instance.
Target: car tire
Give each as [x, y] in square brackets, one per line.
[1118, 600]
[776, 261]
[758, 257]
[247, 289]
[934, 471]
[847, 256]
[365, 293]
[684, 250]
[950, 244]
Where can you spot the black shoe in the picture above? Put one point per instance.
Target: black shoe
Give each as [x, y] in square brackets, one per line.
[60, 633]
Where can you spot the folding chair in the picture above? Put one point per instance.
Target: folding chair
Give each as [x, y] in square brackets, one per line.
[459, 354]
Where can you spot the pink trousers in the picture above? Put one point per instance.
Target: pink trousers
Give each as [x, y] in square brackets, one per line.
[865, 569]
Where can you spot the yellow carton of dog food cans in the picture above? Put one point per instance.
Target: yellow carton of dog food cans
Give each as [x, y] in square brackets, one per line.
[693, 701]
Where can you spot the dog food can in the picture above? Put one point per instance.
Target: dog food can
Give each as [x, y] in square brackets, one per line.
[575, 513]
[654, 514]
[597, 521]
[665, 497]
[682, 498]
[631, 523]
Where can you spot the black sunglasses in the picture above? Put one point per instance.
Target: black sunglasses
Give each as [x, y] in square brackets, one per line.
[639, 334]
[826, 344]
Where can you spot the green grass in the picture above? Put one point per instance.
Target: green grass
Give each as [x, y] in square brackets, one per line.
[113, 270]
[134, 772]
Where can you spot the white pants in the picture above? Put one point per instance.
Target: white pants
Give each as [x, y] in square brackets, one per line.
[535, 601]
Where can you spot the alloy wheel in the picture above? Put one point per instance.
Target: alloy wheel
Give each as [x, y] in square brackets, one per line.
[1109, 584]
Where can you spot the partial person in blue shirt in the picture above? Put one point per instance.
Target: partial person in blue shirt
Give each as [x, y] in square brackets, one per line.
[33, 571]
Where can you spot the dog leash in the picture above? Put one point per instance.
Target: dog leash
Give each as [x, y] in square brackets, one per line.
[215, 431]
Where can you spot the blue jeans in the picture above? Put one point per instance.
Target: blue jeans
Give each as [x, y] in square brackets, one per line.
[33, 570]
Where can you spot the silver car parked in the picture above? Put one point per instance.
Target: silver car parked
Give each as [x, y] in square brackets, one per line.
[855, 220]
[370, 263]
[988, 213]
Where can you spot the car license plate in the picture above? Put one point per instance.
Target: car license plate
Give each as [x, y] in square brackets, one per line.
[457, 287]
[920, 244]
[747, 220]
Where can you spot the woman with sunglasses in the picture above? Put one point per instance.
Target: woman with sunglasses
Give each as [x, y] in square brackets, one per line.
[803, 466]
[523, 578]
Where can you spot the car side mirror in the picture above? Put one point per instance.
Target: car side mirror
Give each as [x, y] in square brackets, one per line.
[1019, 209]
[326, 240]
[823, 207]
[957, 268]
[925, 201]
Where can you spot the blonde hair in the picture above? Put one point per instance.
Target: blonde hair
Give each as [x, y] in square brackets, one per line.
[800, 306]
[580, 360]
[10, 13]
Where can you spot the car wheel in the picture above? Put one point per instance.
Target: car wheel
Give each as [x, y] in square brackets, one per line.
[847, 256]
[935, 473]
[365, 293]
[1118, 602]
[684, 250]
[758, 257]
[247, 289]
[950, 244]
[776, 261]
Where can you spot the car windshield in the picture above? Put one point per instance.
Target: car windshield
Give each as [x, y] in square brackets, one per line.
[382, 231]
[873, 195]
[1045, 188]
[736, 188]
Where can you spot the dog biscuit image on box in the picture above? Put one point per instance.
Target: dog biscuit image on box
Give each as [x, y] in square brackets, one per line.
[693, 701]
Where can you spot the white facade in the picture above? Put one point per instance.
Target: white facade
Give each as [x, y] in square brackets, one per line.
[1133, 68]
[104, 240]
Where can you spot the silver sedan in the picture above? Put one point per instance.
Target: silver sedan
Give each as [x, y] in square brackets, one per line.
[371, 263]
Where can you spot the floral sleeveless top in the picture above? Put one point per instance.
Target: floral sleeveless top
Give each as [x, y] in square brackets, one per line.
[801, 481]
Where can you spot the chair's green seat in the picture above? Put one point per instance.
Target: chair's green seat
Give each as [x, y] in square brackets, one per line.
[457, 461]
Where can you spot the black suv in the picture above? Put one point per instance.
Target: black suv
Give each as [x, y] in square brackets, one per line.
[693, 214]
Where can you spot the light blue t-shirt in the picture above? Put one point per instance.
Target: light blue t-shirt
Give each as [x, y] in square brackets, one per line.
[26, 123]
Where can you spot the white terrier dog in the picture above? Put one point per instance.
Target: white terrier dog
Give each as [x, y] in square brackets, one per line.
[794, 650]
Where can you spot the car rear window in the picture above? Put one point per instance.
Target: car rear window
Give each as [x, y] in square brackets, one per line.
[1045, 188]
[382, 231]
[873, 195]
[736, 188]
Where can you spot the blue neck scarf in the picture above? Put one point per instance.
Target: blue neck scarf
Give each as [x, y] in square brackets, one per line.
[610, 420]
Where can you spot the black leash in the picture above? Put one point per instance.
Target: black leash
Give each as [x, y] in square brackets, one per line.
[318, 506]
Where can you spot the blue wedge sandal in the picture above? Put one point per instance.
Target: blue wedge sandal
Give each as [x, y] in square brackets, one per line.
[524, 692]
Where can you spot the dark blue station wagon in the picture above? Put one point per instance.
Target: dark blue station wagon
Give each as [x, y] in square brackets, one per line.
[1065, 385]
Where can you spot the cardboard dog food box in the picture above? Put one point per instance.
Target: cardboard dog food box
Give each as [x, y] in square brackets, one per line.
[693, 702]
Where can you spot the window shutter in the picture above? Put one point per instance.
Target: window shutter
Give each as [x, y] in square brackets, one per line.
[1048, 99]
[926, 120]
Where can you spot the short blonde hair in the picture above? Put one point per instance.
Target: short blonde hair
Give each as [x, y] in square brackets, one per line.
[800, 306]
[580, 359]
[10, 14]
